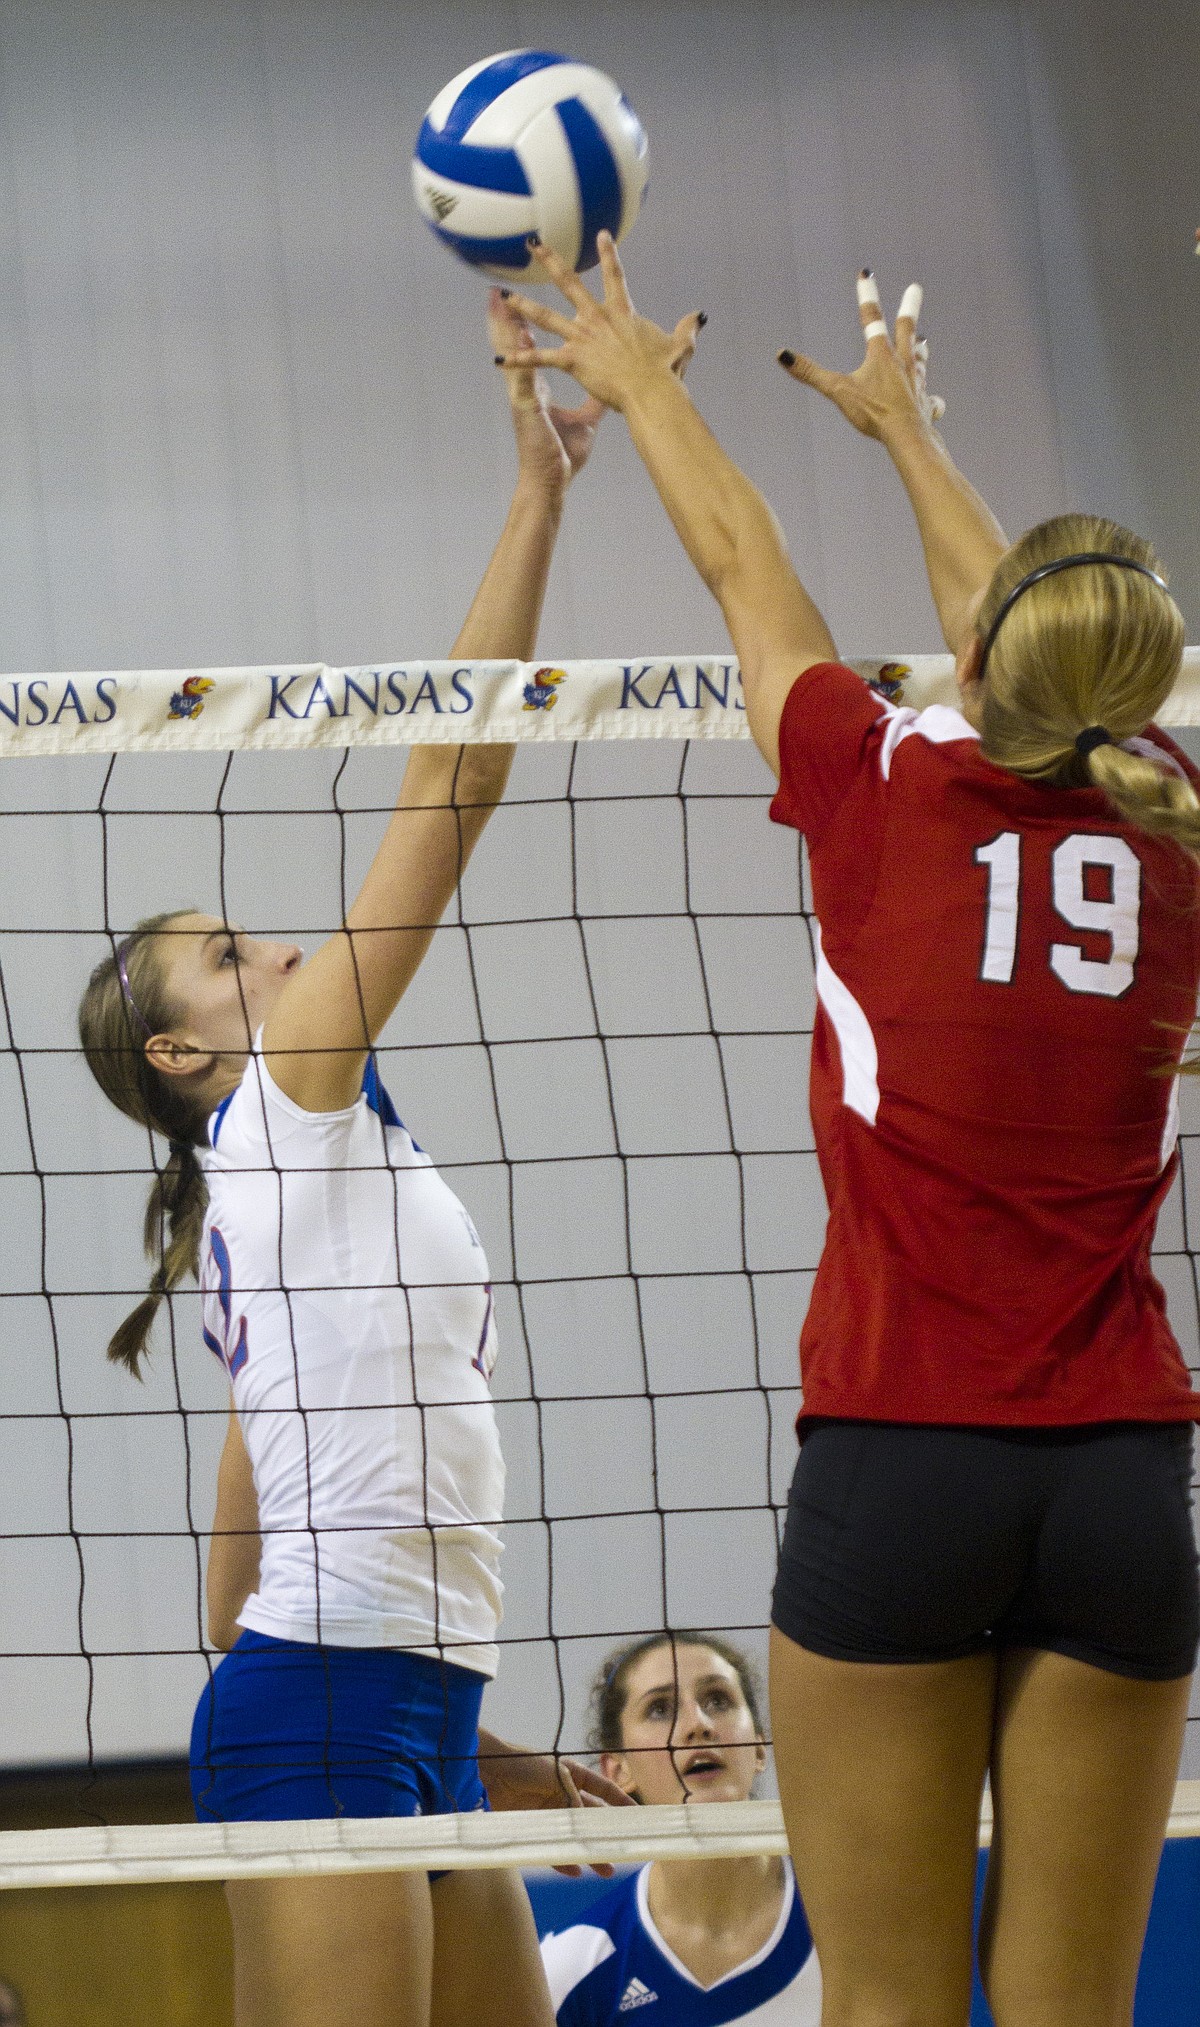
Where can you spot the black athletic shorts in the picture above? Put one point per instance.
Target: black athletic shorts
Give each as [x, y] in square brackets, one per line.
[908, 1543]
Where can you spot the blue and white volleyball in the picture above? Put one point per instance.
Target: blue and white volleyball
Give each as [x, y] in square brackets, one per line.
[529, 142]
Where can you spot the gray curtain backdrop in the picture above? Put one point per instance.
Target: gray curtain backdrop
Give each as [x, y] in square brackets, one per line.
[247, 414]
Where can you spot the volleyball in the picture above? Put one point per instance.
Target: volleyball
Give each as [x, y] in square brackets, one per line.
[529, 142]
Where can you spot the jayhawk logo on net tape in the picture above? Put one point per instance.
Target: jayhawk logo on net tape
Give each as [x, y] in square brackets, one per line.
[188, 702]
[542, 693]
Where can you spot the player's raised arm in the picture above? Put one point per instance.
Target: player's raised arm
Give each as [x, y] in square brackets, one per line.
[886, 398]
[331, 1011]
[724, 523]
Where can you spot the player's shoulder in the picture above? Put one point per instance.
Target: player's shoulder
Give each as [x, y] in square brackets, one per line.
[258, 1114]
[583, 1962]
[838, 738]
[827, 698]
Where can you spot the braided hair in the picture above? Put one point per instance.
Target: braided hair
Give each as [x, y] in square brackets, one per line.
[127, 1001]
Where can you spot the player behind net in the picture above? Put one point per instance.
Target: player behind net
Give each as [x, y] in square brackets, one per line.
[988, 1564]
[677, 1719]
[346, 1291]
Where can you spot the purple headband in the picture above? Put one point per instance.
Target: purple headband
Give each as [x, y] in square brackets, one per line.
[127, 991]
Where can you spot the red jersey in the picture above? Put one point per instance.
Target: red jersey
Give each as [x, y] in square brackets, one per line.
[1004, 971]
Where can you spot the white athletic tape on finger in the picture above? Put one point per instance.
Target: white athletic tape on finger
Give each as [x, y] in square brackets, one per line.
[937, 407]
[877, 329]
[910, 302]
[868, 292]
[921, 351]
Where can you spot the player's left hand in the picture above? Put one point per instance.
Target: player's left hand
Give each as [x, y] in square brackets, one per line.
[516, 1779]
[553, 443]
[887, 391]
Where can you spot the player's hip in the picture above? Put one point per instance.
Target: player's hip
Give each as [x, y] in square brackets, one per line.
[909, 1543]
[290, 1729]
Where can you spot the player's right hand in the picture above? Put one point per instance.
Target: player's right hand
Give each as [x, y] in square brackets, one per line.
[606, 346]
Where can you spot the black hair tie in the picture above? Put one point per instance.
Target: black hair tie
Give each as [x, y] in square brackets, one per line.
[1091, 736]
[181, 1147]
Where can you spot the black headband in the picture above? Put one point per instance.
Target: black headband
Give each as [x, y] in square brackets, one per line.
[1049, 570]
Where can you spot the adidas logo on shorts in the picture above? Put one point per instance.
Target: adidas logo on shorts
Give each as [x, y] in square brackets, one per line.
[635, 1994]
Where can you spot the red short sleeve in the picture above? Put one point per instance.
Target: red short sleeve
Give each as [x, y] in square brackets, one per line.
[824, 735]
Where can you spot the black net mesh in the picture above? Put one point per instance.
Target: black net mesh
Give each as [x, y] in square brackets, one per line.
[605, 1054]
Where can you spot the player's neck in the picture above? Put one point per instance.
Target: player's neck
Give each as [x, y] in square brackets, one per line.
[724, 1896]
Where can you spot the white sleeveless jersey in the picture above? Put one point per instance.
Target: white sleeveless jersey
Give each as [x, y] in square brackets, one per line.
[346, 1291]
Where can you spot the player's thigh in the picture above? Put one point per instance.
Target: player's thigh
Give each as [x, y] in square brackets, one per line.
[487, 1969]
[1083, 1773]
[881, 1769]
[342, 1950]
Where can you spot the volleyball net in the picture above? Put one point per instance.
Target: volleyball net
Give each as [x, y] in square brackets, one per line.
[606, 1054]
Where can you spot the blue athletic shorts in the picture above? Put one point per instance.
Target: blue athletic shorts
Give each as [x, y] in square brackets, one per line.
[286, 1731]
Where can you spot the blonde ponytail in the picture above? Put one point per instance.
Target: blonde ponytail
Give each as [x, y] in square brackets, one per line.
[1148, 795]
[125, 1002]
[1086, 647]
[1076, 666]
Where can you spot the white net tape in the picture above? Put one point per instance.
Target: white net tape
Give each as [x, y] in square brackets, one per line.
[418, 703]
[172, 1852]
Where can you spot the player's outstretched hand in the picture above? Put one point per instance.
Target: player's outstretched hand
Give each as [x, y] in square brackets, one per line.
[888, 390]
[552, 443]
[516, 1779]
[606, 345]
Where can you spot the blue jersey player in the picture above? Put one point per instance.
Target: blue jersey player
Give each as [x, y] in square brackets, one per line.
[691, 1942]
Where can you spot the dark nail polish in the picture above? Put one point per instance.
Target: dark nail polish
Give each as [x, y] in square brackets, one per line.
[866, 273]
[701, 319]
[506, 293]
[533, 239]
[786, 358]
[497, 358]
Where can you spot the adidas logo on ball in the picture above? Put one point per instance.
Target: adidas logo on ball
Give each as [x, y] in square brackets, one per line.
[529, 142]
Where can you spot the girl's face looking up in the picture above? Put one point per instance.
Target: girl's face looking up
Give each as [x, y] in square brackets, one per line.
[686, 1730]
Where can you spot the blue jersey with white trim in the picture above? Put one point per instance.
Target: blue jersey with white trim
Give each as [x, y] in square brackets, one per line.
[613, 1966]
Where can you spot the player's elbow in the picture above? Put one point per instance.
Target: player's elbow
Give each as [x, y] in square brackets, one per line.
[482, 776]
[467, 776]
[222, 1631]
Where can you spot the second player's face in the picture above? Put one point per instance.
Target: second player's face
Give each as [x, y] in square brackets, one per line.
[225, 981]
[686, 1729]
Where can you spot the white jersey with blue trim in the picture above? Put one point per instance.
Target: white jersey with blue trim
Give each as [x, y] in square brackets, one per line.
[346, 1291]
[613, 1966]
